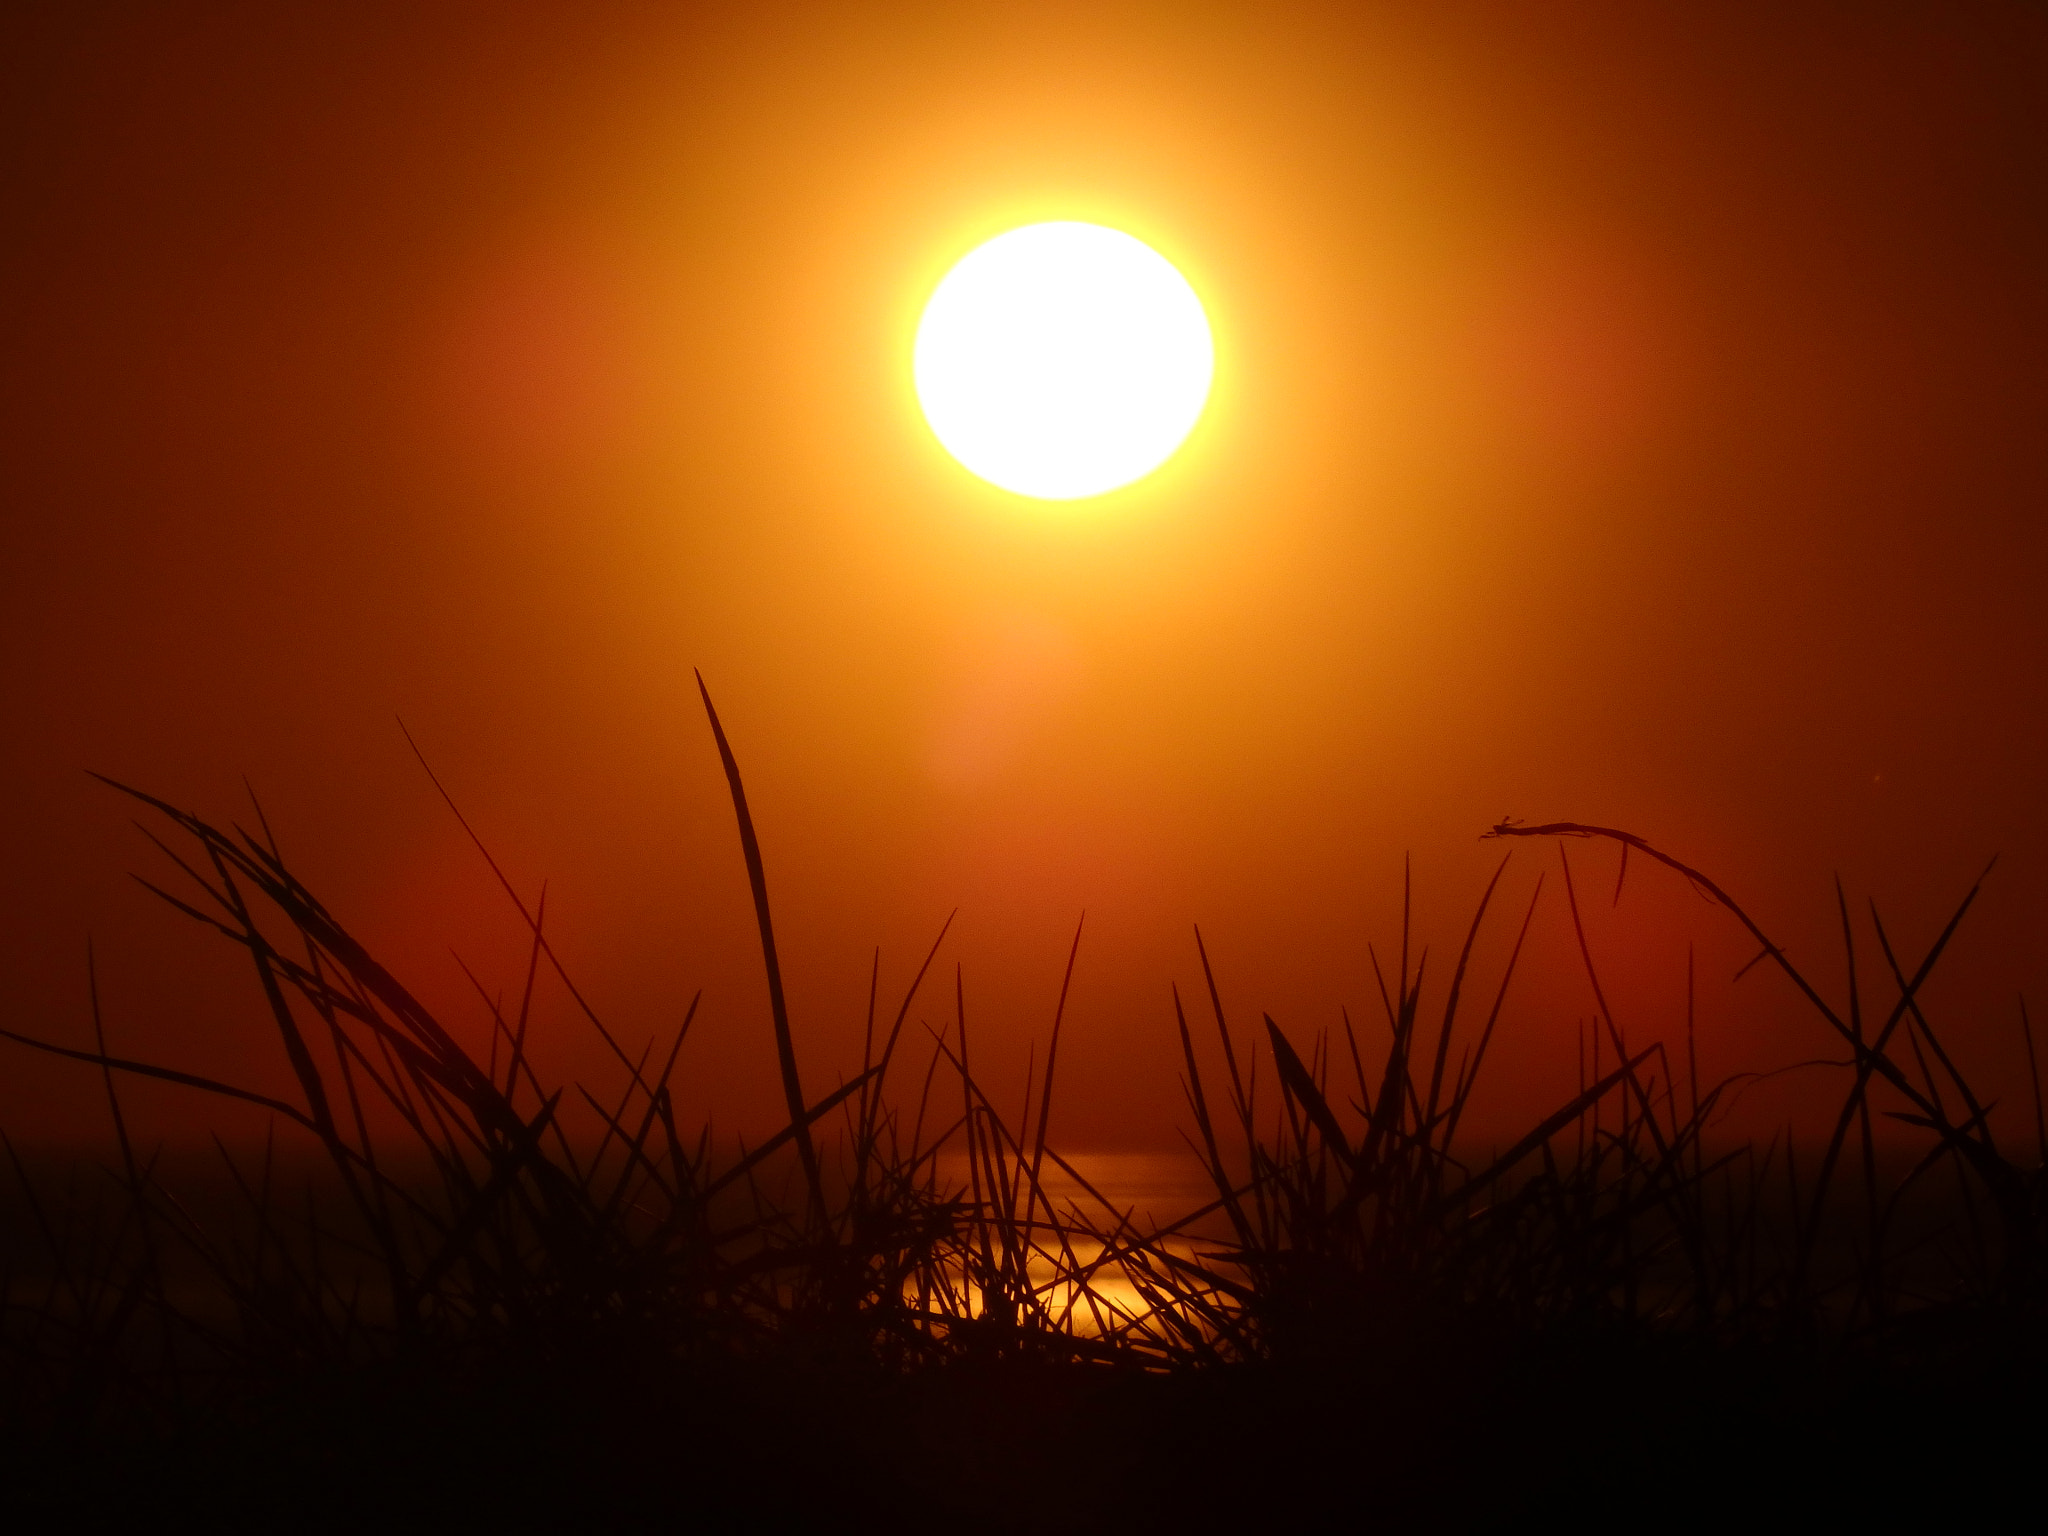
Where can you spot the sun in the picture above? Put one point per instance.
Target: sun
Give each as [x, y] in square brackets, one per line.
[1063, 360]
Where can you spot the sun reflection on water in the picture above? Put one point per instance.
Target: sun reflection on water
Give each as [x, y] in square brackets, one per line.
[1094, 1271]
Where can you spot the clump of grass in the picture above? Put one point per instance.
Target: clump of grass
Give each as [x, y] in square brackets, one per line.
[462, 1217]
[1354, 1208]
[460, 1227]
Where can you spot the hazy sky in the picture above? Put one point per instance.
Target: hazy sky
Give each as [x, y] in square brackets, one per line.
[1629, 414]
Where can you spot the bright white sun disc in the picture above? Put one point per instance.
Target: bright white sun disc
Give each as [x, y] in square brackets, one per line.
[1063, 360]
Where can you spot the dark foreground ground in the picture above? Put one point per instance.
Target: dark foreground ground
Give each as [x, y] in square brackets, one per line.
[1580, 1428]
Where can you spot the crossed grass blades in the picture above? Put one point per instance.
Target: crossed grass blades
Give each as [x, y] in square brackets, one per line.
[905, 1219]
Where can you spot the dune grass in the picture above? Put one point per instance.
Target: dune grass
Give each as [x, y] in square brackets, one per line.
[903, 1228]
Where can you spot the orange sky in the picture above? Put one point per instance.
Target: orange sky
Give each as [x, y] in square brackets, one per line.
[1635, 419]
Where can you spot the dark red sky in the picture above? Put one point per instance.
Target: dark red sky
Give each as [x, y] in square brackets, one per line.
[1630, 414]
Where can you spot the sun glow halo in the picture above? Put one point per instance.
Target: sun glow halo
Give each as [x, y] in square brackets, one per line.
[1063, 360]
